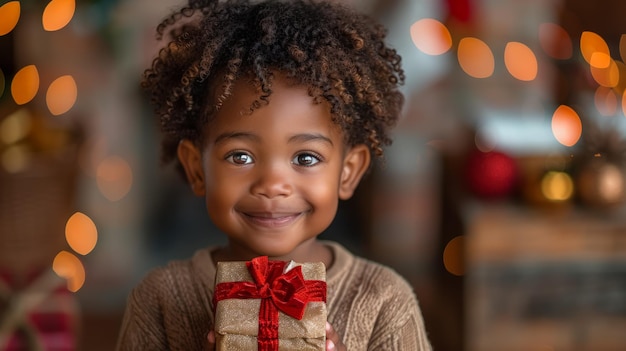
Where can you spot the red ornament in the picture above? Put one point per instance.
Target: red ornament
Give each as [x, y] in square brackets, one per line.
[491, 174]
[459, 10]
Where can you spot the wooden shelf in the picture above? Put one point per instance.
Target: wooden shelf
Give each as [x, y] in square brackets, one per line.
[540, 280]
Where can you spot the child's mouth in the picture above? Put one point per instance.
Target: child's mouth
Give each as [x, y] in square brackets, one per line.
[271, 220]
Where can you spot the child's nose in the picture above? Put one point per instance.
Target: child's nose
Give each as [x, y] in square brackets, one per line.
[272, 181]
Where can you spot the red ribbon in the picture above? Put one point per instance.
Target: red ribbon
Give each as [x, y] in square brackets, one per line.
[278, 290]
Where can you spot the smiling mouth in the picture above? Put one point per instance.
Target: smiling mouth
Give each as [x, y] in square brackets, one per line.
[271, 220]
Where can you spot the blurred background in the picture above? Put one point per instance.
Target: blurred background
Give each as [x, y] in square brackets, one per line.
[502, 199]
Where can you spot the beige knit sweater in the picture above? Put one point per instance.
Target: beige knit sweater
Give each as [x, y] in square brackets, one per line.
[371, 306]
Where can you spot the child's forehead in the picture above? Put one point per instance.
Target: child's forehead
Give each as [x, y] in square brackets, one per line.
[259, 90]
[289, 103]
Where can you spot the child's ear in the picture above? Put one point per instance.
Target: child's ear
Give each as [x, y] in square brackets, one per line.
[355, 164]
[191, 159]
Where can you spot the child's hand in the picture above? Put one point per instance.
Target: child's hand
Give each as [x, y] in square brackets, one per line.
[210, 338]
[333, 340]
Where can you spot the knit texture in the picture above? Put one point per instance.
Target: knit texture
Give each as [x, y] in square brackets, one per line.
[370, 305]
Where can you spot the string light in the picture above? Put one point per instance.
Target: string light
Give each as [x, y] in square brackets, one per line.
[520, 61]
[10, 15]
[57, 14]
[566, 125]
[61, 95]
[81, 233]
[431, 36]
[475, 57]
[25, 84]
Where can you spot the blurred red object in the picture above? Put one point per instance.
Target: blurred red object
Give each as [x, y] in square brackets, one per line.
[491, 175]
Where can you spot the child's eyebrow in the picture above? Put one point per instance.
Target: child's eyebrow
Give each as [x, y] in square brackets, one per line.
[310, 137]
[236, 135]
[298, 138]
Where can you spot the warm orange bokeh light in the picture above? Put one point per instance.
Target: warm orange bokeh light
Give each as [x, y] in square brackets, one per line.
[61, 95]
[621, 69]
[557, 186]
[453, 256]
[9, 16]
[520, 61]
[600, 60]
[591, 43]
[57, 14]
[555, 41]
[25, 84]
[431, 36]
[81, 233]
[114, 177]
[475, 58]
[607, 75]
[69, 267]
[605, 101]
[566, 125]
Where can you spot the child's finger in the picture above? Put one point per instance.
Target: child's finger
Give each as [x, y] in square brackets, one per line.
[210, 338]
[333, 340]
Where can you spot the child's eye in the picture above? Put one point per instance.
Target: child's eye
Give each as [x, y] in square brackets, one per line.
[305, 159]
[239, 158]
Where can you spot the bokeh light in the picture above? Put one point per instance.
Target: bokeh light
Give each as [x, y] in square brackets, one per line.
[475, 58]
[61, 95]
[520, 61]
[114, 177]
[66, 265]
[600, 60]
[482, 141]
[81, 233]
[621, 68]
[15, 158]
[57, 14]
[557, 186]
[9, 15]
[453, 256]
[15, 126]
[592, 43]
[555, 41]
[25, 84]
[605, 101]
[566, 125]
[431, 36]
[610, 183]
[604, 70]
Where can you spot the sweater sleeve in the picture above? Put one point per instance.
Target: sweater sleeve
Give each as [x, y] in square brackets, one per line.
[399, 324]
[142, 326]
[407, 333]
[167, 310]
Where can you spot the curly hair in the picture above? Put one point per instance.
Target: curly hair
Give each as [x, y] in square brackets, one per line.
[339, 54]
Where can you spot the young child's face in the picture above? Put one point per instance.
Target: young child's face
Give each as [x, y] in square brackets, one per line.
[272, 179]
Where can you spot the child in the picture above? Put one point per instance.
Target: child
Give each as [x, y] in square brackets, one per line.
[273, 111]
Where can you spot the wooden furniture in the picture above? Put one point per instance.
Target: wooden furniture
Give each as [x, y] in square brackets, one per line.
[539, 280]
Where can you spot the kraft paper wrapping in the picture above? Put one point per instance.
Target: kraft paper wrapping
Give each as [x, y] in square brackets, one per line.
[236, 320]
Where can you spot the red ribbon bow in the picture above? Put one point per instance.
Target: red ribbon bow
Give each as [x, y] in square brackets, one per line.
[287, 291]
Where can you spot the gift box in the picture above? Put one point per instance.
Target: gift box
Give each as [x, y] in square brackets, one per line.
[41, 315]
[270, 305]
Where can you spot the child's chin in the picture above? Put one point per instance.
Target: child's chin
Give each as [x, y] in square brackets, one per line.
[275, 252]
